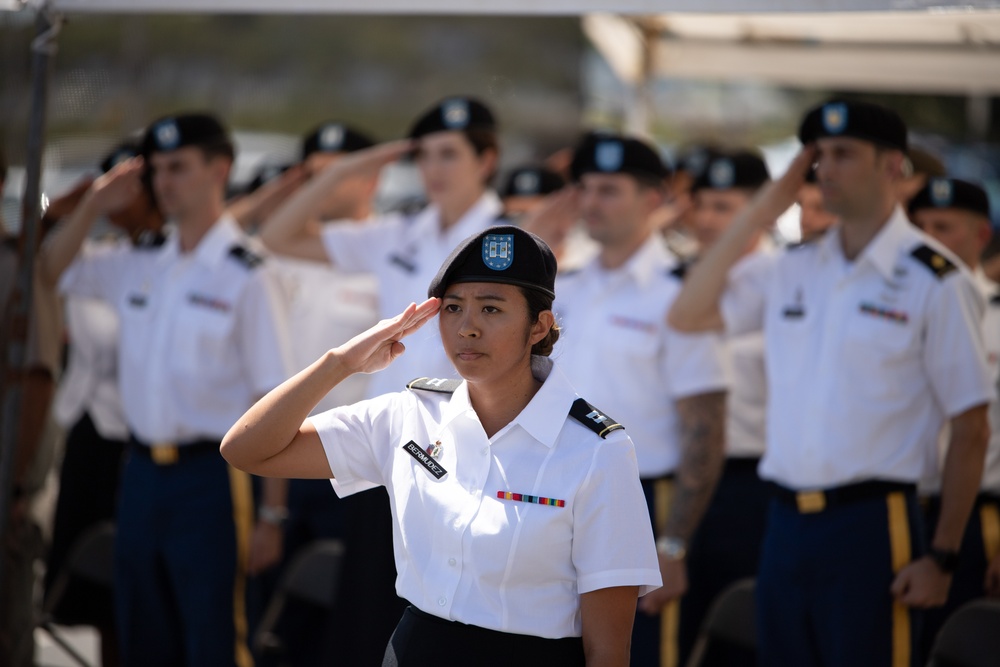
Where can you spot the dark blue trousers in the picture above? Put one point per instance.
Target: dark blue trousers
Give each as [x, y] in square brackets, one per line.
[823, 595]
[968, 582]
[180, 559]
[726, 546]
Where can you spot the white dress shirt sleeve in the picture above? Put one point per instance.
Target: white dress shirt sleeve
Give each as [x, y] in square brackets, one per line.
[954, 354]
[612, 537]
[96, 273]
[262, 326]
[357, 442]
[355, 247]
[742, 303]
[695, 363]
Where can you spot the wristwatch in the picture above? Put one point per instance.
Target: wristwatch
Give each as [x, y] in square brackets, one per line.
[673, 548]
[947, 561]
[273, 515]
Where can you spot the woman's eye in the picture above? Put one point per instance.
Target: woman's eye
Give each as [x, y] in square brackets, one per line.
[451, 308]
[490, 309]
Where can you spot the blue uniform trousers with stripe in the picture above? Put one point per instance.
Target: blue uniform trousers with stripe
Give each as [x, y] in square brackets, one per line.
[180, 556]
[980, 544]
[823, 585]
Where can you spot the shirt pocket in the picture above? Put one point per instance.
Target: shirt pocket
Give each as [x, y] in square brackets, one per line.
[793, 341]
[634, 338]
[205, 342]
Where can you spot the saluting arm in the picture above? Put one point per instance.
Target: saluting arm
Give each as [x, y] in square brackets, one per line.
[112, 191]
[696, 307]
[288, 231]
[273, 438]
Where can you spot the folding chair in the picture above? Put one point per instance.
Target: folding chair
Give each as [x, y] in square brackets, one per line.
[311, 580]
[728, 634]
[91, 559]
[970, 637]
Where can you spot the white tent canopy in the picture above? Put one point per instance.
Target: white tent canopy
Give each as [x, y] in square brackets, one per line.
[514, 7]
[945, 52]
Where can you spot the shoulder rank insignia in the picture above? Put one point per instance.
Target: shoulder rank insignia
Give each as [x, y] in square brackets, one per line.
[245, 257]
[995, 299]
[592, 418]
[939, 265]
[149, 240]
[439, 385]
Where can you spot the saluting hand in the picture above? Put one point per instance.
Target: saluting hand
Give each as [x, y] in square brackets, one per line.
[375, 349]
[775, 197]
[554, 217]
[118, 188]
[369, 160]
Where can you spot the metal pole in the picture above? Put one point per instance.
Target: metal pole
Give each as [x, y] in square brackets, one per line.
[43, 48]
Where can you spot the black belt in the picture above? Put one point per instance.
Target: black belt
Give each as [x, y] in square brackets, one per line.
[810, 502]
[422, 639]
[741, 464]
[170, 453]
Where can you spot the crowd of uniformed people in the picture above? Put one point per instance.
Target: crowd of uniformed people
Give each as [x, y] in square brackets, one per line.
[818, 417]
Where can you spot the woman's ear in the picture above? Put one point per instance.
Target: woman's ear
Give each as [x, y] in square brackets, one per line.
[540, 329]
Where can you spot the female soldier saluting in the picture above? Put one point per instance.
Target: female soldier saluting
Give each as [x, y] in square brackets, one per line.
[520, 529]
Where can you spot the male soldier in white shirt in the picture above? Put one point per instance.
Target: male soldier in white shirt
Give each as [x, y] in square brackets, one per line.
[667, 388]
[873, 341]
[957, 214]
[200, 341]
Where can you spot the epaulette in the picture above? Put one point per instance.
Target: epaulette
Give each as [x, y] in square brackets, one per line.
[148, 240]
[798, 245]
[440, 385]
[245, 257]
[592, 418]
[939, 265]
[995, 299]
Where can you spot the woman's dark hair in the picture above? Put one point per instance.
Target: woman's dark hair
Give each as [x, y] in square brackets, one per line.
[537, 302]
[483, 140]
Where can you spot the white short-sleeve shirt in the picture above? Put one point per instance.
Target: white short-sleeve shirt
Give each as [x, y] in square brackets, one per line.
[746, 404]
[405, 253]
[202, 334]
[466, 552]
[90, 383]
[865, 359]
[617, 349]
[327, 307]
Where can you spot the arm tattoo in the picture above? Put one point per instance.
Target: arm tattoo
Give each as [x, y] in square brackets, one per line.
[703, 427]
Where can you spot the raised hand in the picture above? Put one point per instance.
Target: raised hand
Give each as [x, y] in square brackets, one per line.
[118, 188]
[554, 217]
[375, 349]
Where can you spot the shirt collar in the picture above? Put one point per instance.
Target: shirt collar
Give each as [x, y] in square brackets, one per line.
[487, 208]
[651, 258]
[882, 251]
[545, 414]
[218, 241]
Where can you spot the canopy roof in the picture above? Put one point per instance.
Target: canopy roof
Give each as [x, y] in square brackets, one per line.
[523, 7]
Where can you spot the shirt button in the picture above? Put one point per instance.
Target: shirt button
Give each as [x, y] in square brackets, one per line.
[452, 561]
[442, 601]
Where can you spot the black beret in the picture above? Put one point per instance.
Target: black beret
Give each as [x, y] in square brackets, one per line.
[531, 181]
[334, 138]
[860, 120]
[454, 113]
[126, 150]
[501, 254]
[740, 169]
[951, 193]
[694, 159]
[190, 129]
[616, 154]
